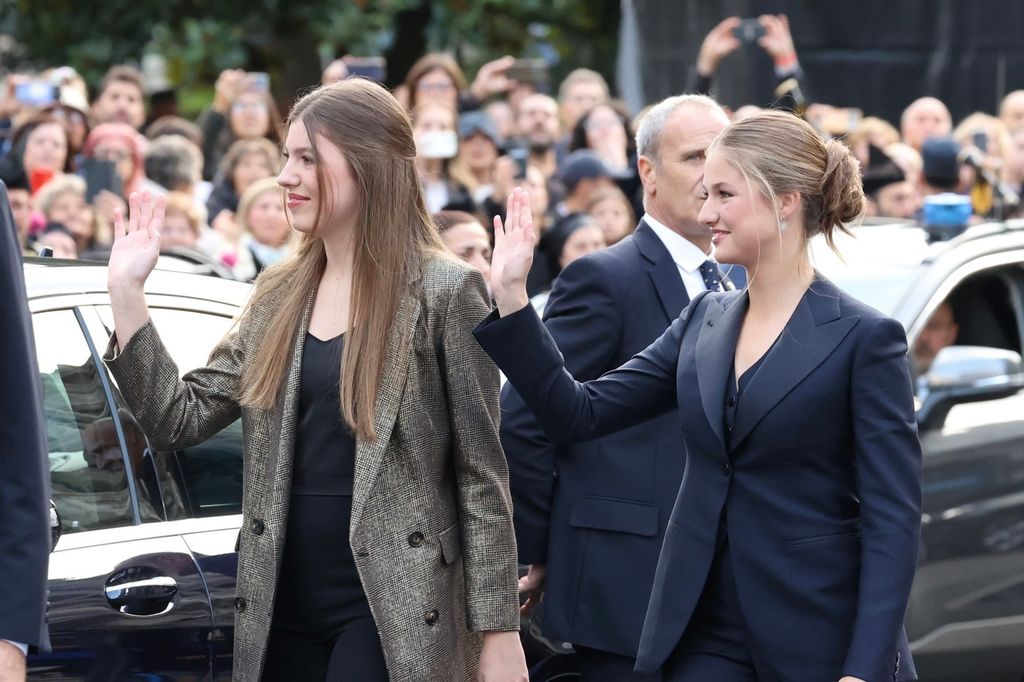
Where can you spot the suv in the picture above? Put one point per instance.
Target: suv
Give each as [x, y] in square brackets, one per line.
[141, 581]
[966, 614]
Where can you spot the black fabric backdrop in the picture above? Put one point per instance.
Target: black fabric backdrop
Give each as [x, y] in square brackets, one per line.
[878, 55]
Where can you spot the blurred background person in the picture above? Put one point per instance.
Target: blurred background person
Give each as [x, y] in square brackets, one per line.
[925, 117]
[174, 163]
[183, 223]
[503, 116]
[242, 109]
[58, 237]
[334, 72]
[583, 174]
[606, 130]
[63, 201]
[20, 201]
[569, 240]
[433, 129]
[579, 92]
[40, 149]
[245, 162]
[437, 77]
[479, 148]
[466, 238]
[537, 131]
[613, 213]
[775, 39]
[263, 229]
[887, 189]
[871, 131]
[1011, 110]
[120, 98]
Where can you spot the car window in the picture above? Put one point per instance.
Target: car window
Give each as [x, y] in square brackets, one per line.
[205, 479]
[87, 465]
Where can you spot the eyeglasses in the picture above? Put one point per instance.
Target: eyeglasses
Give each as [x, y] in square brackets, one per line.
[111, 154]
[248, 106]
[434, 87]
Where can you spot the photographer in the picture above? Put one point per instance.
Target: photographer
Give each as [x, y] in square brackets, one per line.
[771, 33]
[242, 109]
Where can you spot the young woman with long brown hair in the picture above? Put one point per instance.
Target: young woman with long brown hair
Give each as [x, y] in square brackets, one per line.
[377, 539]
[790, 553]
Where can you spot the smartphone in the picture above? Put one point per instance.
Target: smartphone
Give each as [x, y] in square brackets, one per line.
[749, 31]
[374, 68]
[980, 140]
[36, 93]
[39, 177]
[522, 157]
[840, 120]
[439, 144]
[100, 174]
[531, 71]
[258, 81]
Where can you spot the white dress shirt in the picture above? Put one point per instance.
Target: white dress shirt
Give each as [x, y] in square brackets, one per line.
[687, 256]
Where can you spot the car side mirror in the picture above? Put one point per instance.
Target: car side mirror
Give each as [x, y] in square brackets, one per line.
[55, 526]
[967, 374]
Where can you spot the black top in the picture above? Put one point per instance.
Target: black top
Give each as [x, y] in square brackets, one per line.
[325, 448]
[734, 391]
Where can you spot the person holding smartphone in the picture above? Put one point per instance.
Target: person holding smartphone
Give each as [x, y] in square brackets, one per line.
[242, 109]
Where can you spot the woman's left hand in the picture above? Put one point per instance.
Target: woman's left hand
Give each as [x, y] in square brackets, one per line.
[502, 658]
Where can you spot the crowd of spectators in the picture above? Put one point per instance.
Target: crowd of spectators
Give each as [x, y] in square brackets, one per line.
[70, 160]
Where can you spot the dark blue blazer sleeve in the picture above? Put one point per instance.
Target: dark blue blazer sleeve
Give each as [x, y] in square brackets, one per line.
[586, 324]
[24, 470]
[641, 389]
[889, 478]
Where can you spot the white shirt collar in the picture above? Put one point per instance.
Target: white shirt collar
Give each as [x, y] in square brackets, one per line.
[685, 253]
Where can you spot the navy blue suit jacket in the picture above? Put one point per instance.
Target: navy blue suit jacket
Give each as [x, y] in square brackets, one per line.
[821, 486]
[24, 470]
[596, 512]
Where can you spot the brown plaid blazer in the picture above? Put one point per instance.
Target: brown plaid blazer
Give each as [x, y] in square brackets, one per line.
[431, 528]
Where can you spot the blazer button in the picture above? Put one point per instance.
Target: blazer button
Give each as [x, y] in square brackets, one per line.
[239, 604]
[416, 539]
[257, 526]
[430, 617]
[726, 469]
[731, 401]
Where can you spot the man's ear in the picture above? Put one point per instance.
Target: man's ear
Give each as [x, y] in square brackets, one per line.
[648, 174]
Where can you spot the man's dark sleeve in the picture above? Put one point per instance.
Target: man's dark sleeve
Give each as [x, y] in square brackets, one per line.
[586, 325]
[24, 475]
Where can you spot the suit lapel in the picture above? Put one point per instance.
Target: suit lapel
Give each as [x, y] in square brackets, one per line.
[663, 271]
[370, 455]
[811, 335]
[716, 347]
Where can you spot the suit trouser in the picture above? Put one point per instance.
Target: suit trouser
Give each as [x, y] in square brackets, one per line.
[595, 665]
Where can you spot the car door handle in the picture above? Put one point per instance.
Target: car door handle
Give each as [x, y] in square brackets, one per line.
[140, 597]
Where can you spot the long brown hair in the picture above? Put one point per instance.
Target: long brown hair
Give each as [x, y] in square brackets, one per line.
[394, 234]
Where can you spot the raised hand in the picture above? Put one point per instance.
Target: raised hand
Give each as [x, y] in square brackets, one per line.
[718, 43]
[137, 244]
[777, 41]
[514, 241]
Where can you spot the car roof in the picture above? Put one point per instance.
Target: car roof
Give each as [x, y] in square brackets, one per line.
[55, 277]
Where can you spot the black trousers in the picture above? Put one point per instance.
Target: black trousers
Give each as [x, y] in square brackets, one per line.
[352, 655]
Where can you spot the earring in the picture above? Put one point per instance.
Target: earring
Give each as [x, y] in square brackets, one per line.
[783, 225]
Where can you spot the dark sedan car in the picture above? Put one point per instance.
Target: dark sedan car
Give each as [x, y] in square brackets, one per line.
[141, 582]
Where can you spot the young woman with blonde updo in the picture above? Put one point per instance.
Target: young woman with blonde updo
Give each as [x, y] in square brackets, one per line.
[790, 553]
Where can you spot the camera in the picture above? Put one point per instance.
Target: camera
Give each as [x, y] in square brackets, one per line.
[749, 31]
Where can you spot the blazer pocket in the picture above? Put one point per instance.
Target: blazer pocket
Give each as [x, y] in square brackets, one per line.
[450, 540]
[831, 539]
[620, 516]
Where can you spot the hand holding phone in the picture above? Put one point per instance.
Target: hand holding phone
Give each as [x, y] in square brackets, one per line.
[374, 68]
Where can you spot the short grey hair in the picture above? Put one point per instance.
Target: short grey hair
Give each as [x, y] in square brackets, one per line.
[648, 133]
[173, 162]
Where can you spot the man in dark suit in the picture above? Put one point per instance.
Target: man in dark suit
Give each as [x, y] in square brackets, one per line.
[590, 517]
[24, 476]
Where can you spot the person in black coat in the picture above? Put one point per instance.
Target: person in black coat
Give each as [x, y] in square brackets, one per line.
[595, 513]
[24, 472]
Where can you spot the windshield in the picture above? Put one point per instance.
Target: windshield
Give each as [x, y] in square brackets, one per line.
[878, 265]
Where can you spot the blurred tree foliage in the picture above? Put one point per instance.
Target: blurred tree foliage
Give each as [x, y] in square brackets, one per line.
[291, 39]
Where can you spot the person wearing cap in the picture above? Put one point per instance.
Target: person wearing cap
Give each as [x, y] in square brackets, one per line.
[941, 168]
[589, 520]
[479, 148]
[583, 173]
[887, 189]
